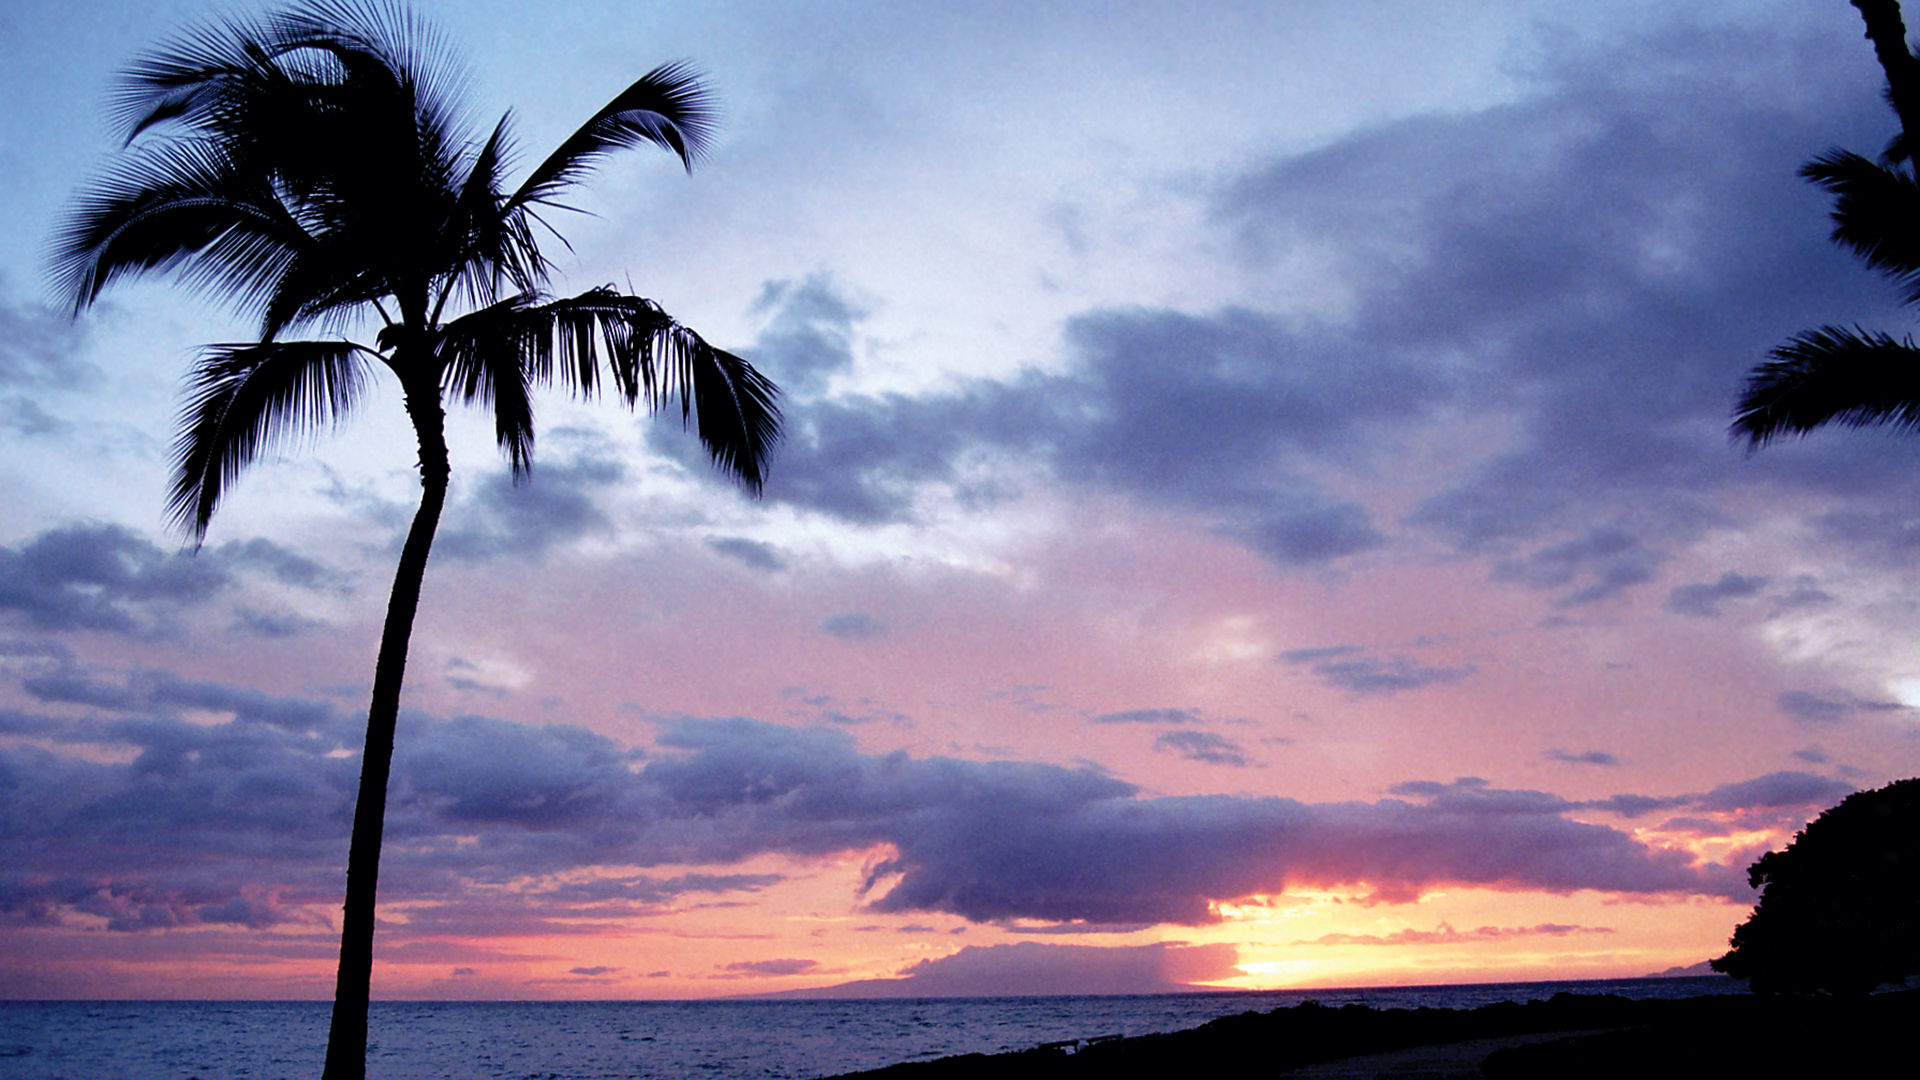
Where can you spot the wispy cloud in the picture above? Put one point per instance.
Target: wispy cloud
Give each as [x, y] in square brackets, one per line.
[1447, 935]
[1703, 600]
[1149, 716]
[1585, 757]
[1351, 668]
[1203, 746]
[1831, 707]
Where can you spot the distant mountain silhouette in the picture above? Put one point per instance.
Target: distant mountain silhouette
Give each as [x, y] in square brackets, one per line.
[1034, 969]
[1688, 972]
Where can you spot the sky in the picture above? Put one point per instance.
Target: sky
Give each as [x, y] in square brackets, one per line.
[1256, 511]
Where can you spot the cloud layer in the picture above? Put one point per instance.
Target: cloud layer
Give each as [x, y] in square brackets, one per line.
[153, 837]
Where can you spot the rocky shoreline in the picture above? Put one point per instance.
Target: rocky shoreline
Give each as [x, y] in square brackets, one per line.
[1568, 1035]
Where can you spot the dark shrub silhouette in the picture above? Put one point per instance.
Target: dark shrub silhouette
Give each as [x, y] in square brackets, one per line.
[1839, 909]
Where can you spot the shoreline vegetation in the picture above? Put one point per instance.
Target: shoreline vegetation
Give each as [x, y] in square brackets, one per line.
[1567, 1035]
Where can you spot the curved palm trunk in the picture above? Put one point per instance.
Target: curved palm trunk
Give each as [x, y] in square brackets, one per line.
[347, 1038]
[1889, 36]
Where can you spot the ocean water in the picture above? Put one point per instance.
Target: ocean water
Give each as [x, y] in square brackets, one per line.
[698, 1040]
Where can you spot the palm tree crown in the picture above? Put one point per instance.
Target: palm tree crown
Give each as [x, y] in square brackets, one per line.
[1836, 374]
[309, 167]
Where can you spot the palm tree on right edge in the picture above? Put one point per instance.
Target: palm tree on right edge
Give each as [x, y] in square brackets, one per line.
[1855, 377]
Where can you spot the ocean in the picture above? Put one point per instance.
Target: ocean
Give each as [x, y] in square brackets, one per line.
[720, 1040]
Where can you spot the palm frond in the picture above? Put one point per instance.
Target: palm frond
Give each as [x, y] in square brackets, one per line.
[177, 205]
[243, 399]
[669, 106]
[1830, 375]
[181, 80]
[487, 248]
[738, 408]
[339, 113]
[394, 35]
[603, 336]
[1897, 151]
[1876, 212]
[484, 363]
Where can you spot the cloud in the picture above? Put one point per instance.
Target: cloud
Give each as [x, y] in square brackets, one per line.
[1581, 271]
[281, 563]
[865, 459]
[751, 552]
[1802, 594]
[482, 771]
[37, 348]
[1542, 268]
[1179, 410]
[826, 708]
[1445, 934]
[1779, 789]
[853, 626]
[1203, 746]
[1884, 534]
[23, 416]
[158, 690]
[108, 578]
[591, 972]
[1607, 559]
[1588, 757]
[1311, 532]
[271, 624]
[1228, 414]
[635, 892]
[1775, 790]
[482, 809]
[1703, 600]
[774, 967]
[999, 840]
[551, 508]
[809, 333]
[102, 577]
[1148, 716]
[861, 458]
[1348, 667]
[1810, 707]
[1552, 258]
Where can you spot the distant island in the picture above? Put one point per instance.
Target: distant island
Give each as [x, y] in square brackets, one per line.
[1691, 971]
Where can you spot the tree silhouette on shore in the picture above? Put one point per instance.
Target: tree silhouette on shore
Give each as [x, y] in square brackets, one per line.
[1839, 908]
[309, 167]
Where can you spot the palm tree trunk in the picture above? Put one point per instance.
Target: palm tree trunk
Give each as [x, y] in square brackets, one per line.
[1889, 36]
[347, 1038]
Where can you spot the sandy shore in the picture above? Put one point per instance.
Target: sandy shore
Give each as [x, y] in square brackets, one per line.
[1568, 1037]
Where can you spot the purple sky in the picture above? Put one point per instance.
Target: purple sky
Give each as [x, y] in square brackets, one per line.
[1257, 511]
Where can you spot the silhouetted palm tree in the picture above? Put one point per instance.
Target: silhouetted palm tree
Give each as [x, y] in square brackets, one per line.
[1835, 374]
[309, 167]
[1853, 376]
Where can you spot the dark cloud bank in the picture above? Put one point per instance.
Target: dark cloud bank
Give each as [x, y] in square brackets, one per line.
[170, 822]
[108, 578]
